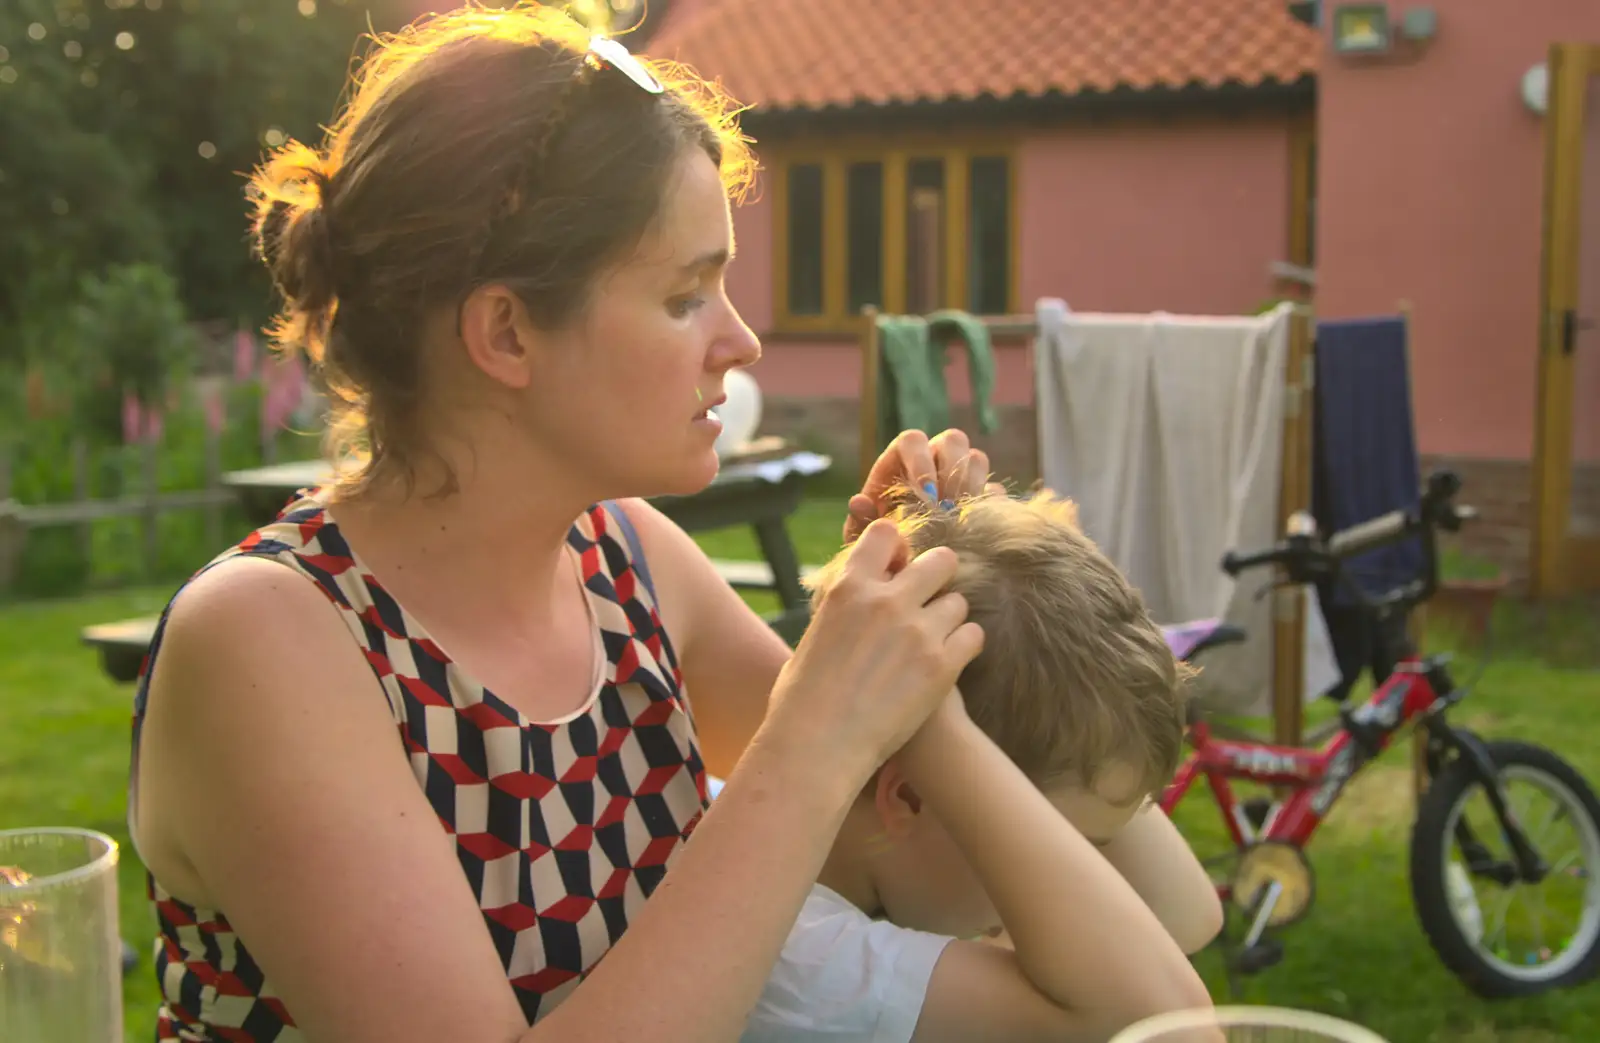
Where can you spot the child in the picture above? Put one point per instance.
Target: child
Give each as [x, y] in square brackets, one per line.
[1021, 808]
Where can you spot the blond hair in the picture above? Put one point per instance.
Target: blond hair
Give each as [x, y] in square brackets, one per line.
[1074, 674]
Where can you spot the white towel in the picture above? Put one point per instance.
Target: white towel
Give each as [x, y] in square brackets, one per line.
[1098, 464]
[1167, 431]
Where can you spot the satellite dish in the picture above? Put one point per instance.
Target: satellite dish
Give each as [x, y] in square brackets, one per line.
[741, 413]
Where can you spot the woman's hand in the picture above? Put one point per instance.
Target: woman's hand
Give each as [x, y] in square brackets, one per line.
[883, 650]
[946, 468]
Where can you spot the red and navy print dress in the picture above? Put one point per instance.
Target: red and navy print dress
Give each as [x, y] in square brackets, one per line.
[563, 829]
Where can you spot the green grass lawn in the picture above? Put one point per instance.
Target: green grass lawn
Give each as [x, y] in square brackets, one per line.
[1360, 954]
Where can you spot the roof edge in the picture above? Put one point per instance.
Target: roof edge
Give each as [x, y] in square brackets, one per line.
[1049, 106]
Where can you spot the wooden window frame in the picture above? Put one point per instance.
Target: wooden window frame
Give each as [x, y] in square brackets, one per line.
[1302, 178]
[835, 158]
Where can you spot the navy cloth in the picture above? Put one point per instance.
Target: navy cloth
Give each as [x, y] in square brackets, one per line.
[1364, 464]
[1365, 447]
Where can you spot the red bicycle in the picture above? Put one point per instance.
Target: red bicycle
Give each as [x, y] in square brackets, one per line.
[1272, 883]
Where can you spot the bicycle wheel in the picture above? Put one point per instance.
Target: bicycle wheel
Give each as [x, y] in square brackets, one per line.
[1245, 1025]
[1481, 926]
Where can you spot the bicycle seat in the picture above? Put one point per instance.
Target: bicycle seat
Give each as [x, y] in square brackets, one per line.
[1190, 639]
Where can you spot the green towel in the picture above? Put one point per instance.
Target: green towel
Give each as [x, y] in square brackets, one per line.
[911, 387]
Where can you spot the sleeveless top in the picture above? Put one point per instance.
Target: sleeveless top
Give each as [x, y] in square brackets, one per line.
[563, 829]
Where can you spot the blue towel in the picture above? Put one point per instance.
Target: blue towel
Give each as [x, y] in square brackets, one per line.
[1365, 446]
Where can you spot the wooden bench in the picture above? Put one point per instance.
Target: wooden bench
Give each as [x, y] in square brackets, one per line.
[122, 645]
[752, 575]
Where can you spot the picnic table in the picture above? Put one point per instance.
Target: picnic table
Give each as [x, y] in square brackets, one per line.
[760, 488]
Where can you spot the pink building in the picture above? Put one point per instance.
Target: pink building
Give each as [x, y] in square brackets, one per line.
[1432, 187]
[934, 153]
[1136, 155]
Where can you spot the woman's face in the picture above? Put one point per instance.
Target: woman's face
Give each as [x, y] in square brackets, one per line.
[622, 398]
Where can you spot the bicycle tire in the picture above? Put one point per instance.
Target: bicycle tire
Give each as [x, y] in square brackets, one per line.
[1428, 864]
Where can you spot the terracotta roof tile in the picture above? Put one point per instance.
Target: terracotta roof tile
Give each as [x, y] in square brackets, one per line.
[788, 54]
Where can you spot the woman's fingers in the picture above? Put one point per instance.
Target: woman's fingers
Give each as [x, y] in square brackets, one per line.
[945, 614]
[861, 513]
[943, 469]
[963, 470]
[908, 460]
[962, 647]
[927, 574]
[880, 552]
[976, 473]
[965, 477]
[950, 452]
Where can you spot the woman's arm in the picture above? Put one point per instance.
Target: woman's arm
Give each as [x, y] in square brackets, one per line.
[272, 751]
[269, 763]
[729, 655]
[1154, 858]
[1090, 958]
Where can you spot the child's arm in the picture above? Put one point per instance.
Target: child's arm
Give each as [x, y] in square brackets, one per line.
[1090, 957]
[1154, 858]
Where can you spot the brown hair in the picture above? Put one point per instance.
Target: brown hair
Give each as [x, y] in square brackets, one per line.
[477, 147]
[1074, 674]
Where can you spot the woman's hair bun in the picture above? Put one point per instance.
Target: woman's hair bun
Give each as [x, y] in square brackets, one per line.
[291, 193]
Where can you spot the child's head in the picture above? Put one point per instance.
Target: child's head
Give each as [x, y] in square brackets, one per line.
[1075, 683]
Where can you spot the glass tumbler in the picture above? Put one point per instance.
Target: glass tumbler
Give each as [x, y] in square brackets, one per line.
[1245, 1025]
[60, 947]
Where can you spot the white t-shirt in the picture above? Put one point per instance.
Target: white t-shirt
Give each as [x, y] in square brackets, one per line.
[844, 978]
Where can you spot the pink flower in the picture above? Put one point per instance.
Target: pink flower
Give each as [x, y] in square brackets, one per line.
[132, 418]
[294, 383]
[215, 409]
[284, 382]
[244, 356]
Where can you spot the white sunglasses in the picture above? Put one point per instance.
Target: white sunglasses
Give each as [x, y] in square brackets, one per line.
[605, 51]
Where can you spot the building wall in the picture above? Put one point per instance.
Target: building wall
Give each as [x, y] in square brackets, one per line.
[1181, 217]
[1430, 191]
[1173, 216]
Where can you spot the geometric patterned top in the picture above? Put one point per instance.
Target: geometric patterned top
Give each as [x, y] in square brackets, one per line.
[563, 829]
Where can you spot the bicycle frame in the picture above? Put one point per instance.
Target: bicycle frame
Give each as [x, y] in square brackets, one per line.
[1316, 777]
[1417, 689]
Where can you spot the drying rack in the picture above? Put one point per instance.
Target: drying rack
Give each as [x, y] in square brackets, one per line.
[1289, 611]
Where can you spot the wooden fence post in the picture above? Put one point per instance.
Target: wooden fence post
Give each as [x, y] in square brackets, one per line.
[150, 511]
[1294, 494]
[81, 493]
[213, 509]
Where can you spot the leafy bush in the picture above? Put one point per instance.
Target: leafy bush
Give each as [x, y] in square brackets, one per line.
[127, 334]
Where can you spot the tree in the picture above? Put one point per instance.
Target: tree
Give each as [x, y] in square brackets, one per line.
[127, 128]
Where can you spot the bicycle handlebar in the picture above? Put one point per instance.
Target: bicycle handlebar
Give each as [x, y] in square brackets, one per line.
[1370, 535]
[1233, 564]
[1306, 558]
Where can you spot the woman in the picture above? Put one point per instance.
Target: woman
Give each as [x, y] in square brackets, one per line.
[507, 267]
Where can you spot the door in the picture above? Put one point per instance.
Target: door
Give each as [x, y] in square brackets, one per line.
[1566, 454]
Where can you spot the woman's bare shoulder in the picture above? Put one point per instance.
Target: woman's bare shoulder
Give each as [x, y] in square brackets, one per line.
[251, 623]
[274, 787]
[243, 588]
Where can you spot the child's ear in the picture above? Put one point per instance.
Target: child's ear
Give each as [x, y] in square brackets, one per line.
[895, 800]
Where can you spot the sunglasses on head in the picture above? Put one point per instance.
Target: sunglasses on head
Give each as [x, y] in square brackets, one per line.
[604, 51]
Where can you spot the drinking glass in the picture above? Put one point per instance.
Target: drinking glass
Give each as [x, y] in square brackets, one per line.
[1245, 1025]
[60, 948]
